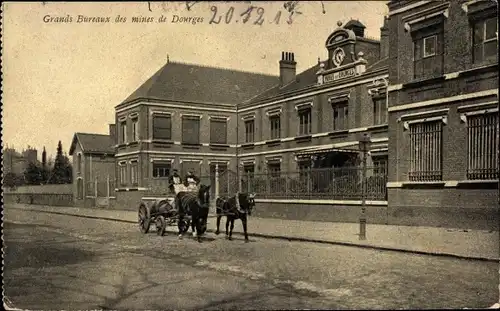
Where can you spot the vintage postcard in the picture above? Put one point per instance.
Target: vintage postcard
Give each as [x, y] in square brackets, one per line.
[256, 155]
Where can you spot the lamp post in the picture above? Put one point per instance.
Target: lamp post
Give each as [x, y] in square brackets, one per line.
[364, 144]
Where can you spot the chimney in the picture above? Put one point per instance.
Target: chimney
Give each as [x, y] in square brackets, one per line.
[287, 68]
[384, 39]
[112, 133]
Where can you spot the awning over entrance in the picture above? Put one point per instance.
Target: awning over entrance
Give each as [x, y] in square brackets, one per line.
[317, 150]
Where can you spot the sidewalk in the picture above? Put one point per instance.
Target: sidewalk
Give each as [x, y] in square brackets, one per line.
[472, 244]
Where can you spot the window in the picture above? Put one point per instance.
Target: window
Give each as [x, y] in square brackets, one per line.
[191, 130]
[305, 125]
[133, 172]
[162, 127]
[482, 147]
[161, 170]
[428, 56]
[123, 132]
[123, 173]
[249, 170]
[380, 165]
[379, 111]
[249, 131]
[135, 129]
[485, 40]
[340, 117]
[274, 169]
[79, 163]
[190, 165]
[79, 188]
[275, 126]
[218, 131]
[304, 168]
[426, 151]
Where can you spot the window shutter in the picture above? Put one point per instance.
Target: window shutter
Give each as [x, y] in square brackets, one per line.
[218, 131]
[162, 127]
[191, 130]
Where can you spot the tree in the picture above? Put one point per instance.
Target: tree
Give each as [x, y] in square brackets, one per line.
[33, 174]
[62, 172]
[12, 180]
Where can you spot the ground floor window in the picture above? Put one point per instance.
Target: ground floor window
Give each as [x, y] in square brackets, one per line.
[482, 146]
[426, 151]
[123, 173]
[134, 179]
[161, 169]
[380, 165]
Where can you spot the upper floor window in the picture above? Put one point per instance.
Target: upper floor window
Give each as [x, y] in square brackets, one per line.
[123, 132]
[340, 116]
[275, 126]
[249, 131]
[191, 130]
[485, 40]
[162, 127]
[305, 121]
[218, 131]
[428, 55]
[379, 111]
[135, 128]
[79, 163]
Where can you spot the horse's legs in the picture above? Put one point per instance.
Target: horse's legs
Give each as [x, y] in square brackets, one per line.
[180, 222]
[228, 219]
[198, 228]
[231, 229]
[193, 225]
[243, 218]
[218, 224]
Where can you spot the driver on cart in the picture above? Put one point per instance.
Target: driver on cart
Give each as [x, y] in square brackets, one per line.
[174, 180]
[191, 180]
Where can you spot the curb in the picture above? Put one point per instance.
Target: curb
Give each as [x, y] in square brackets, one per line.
[293, 239]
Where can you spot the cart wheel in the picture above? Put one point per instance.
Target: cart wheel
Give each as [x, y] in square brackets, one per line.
[144, 218]
[161, 225]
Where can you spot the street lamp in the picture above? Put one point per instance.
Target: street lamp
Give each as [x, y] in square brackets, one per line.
[364, 146]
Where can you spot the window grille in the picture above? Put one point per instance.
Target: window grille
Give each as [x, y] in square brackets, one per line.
[482, 147]
[426, 151]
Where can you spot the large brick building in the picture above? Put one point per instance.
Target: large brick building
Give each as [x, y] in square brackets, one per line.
[183, 117]
[315, 119]
[443, 113]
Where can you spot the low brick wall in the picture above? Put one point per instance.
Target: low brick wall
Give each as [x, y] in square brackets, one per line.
[451, 208]
[375, 214]
[56, 195]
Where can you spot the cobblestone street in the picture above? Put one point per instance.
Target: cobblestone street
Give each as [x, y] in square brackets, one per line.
[64, 262]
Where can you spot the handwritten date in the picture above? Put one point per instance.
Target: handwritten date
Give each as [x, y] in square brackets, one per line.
[254, 15]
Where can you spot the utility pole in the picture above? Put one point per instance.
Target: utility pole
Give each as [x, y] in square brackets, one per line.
[363, 146]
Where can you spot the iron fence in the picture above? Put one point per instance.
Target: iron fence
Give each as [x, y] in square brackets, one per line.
[330, 184]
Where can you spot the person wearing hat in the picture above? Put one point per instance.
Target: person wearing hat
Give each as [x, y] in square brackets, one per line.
[173, 180]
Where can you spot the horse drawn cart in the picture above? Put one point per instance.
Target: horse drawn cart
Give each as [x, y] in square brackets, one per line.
[162, 211]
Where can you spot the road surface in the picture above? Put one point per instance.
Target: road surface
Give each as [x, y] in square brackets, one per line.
[66, 262]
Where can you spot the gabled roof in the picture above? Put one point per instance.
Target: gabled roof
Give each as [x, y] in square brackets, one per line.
[304, 79]
[194, 83]
[307, 79]
[93, 143]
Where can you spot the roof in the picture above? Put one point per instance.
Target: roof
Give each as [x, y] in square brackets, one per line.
[93, 143]
[195, 83]
[303, 80]
[308, 78]
[354, 23]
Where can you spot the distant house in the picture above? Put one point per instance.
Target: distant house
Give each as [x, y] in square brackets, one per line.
[93, 167]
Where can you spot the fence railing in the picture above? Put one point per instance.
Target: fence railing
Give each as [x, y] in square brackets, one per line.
[332, 184]
[327, 184]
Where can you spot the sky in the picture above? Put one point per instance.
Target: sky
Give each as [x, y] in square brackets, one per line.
[62, 78]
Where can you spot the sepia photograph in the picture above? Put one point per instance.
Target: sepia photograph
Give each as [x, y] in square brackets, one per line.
[250, 155]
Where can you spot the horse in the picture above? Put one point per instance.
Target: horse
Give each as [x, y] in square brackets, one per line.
[227, 207]
[195, 205]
